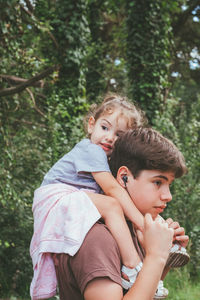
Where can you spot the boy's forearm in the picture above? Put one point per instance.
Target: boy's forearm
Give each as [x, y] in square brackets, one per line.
[148, 277]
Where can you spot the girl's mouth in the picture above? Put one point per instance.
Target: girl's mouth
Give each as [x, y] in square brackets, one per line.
[106, 147]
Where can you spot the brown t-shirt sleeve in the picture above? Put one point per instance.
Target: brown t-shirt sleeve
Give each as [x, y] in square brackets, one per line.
[98, 257]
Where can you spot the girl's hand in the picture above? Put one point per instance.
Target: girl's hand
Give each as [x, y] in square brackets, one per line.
[179, 233]
[156, 238]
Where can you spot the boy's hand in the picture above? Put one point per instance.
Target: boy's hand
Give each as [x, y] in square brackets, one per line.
[156, 238]
[179, 233]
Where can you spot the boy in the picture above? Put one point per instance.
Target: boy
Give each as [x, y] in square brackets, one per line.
[145, 164]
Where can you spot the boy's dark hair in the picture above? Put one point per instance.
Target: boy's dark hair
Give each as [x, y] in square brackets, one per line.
[146, 149]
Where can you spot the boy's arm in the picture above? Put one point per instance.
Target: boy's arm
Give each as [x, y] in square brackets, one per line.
[157, 239]
[149, 276]
[112, 188]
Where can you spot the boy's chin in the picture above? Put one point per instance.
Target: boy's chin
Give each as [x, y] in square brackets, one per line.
[154, 216]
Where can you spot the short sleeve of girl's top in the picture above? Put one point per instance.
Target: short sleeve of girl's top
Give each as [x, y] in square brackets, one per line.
[75, 167]
[90, 158]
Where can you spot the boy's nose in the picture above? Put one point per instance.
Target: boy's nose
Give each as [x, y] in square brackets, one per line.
[166, 196]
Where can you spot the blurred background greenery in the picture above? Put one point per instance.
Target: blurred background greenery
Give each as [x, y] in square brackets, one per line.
[59, 57]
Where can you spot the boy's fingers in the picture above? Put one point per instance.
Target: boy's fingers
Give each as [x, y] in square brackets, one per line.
[159, 219]
[148, 218]
[172, 231]
[182, 237]
[183, 240]
[179, 231]
[165, 225]
[169, 221]
[174, 225]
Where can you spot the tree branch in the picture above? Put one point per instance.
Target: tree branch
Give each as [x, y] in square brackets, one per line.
[28, 122]
[34, 103]
[14, 80]
[29, 5]
[19, 88]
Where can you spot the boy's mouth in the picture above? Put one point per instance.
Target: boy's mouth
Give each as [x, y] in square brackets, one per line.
[160, 209]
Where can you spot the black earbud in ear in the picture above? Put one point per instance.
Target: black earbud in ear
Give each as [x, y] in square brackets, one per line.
[125, 179]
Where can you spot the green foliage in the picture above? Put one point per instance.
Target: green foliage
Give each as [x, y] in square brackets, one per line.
[148, 55]
[16, 229]
[40, 124]
[22, 160]
[103, 17]
[95, 83]
[66, 101]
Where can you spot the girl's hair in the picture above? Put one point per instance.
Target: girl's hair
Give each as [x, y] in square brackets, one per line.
[135, 116]
[146, 149]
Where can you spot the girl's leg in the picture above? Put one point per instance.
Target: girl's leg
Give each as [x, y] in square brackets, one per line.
[113, 215]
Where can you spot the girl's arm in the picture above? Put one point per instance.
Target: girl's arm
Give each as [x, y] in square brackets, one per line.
[112, 188]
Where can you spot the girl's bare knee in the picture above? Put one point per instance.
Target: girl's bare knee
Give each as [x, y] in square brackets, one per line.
[106, 205]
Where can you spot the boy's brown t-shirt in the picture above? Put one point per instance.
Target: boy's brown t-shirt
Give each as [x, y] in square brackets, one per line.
[98, 257]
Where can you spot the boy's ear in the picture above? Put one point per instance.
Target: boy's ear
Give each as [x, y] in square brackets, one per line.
[91, 123]
[122, 175]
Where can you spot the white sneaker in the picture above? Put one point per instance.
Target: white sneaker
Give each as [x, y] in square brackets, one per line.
[178, 257]
[132, 275]
[161, 292]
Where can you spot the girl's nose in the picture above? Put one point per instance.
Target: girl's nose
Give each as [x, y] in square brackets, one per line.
[110, 136]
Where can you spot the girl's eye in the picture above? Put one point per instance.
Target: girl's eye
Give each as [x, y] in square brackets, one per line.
[119, 133]
[104, 127]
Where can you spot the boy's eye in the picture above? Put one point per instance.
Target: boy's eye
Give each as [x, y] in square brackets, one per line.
[158, 182]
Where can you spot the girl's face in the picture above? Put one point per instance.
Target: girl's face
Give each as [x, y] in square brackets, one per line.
[106, 129]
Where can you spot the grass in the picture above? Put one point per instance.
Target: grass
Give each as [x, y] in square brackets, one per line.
[178, 282]
[181, 287]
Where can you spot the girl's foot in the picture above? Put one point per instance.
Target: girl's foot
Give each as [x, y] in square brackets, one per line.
[130, 275]
[178, 257]
[161, 292]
